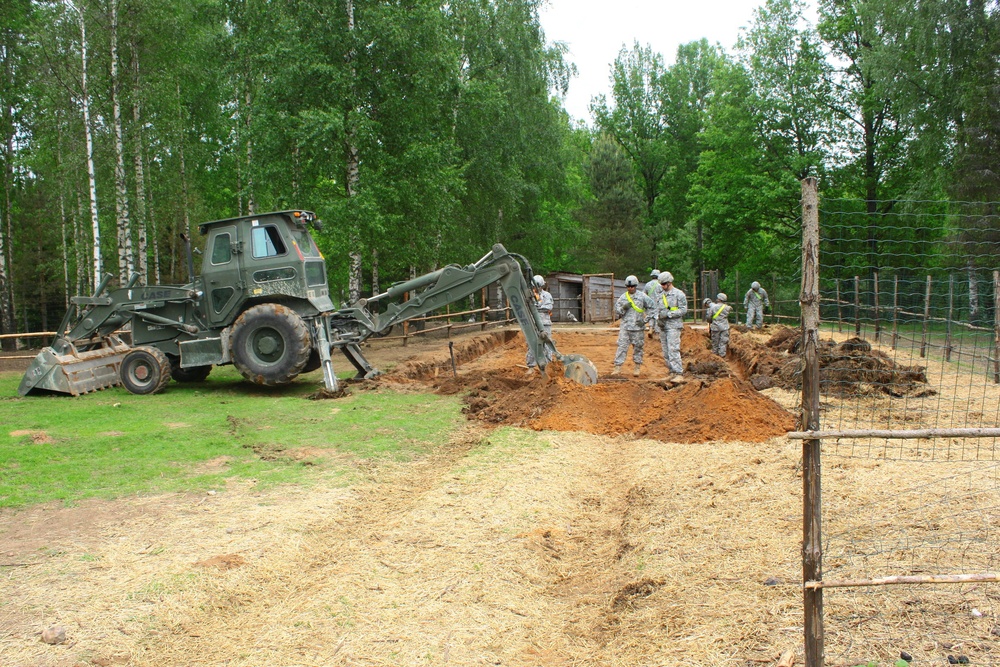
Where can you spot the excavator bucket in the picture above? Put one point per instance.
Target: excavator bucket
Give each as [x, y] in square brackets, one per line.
[65, 370]
[579, 369]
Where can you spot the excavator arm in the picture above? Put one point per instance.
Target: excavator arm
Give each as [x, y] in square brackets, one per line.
[448, 285]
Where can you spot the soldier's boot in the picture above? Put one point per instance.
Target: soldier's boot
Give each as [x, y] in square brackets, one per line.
[635, 373]
[618, 370]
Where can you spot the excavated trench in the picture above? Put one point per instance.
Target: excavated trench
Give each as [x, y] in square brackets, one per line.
[719, 399]
[714, 403]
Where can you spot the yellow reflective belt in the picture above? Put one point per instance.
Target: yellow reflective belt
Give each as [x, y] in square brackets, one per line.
[635, 307]
[719, 312]
[667, 305]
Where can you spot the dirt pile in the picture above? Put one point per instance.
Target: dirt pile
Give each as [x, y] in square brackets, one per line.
[713, 404]
[851, 367]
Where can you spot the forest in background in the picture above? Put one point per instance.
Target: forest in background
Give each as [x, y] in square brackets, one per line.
[423, 132]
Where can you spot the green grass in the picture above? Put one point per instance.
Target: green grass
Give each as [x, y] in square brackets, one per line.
[112, 444]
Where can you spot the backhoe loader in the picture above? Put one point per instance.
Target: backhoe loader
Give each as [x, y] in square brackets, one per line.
[262, 304]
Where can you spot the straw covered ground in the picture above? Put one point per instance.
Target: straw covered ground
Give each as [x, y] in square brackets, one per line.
[538, 535]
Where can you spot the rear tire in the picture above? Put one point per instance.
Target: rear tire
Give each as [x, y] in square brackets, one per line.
[145, 370]
[270, 344]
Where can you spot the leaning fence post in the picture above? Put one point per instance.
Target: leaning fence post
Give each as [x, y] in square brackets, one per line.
[951, 310]
[736, 304]
[996, 327]
[927, 317]
[857, 306]
[895, 310]
[812, 549]
[878, 324]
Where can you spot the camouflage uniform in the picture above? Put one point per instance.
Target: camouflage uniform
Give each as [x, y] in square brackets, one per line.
[754, 302]
[670, 310]
[633, 326]
[718, 317]
[543, 301]
[653, 290]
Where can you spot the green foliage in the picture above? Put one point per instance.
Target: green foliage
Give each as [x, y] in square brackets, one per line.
[454, 113]
[193, 437]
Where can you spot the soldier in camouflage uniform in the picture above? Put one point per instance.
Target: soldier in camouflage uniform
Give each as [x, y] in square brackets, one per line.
[544, 303]
[671, 306]
[755, 302]
[634, 308]
[652, 290]
[717, 315]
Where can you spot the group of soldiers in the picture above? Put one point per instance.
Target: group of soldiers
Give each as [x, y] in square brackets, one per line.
[659, 307]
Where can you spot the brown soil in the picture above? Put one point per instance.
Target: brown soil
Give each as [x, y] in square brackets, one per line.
[712, 403]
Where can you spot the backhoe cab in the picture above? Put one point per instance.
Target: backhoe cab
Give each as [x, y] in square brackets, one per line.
[262, 304]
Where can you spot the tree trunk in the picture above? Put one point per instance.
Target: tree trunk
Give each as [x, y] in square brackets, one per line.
[6, 301]
[126, 261]
[92, 177]
[251, 205]
[375, 285]
[351, 172]
[142, 254]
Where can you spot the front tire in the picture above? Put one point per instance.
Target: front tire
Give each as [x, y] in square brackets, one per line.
[270, 344]
[145, 370]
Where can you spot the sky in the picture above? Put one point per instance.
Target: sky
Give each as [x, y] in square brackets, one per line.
[595, 31]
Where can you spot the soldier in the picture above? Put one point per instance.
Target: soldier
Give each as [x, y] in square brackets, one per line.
[718, 316]
[671, 306]
[755, 302]
[543, 301]
[634, 308]
[652, 290]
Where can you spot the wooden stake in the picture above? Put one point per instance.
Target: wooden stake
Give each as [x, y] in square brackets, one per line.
[857, 306]
[812, 533]
[895, 311]
[951, 311]
[878, 325]
[996, 327]
[840, 314]
[927, 316]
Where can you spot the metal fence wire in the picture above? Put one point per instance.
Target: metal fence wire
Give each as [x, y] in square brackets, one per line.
[908, 361]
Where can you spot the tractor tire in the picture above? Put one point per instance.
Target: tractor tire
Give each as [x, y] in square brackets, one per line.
[192, 374]
[270, 344]
[145, 370]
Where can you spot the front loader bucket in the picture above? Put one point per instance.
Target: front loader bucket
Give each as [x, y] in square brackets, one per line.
[75, 372]
[579, 369]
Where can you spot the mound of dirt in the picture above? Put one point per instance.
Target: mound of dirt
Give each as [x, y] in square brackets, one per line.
[848, 368]
[714, 404]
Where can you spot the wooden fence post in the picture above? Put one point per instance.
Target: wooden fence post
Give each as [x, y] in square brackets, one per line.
[840, 314]
[951, 311]
[736, 304]
[895, 310]
[406, 324]
[774, 298]
[447, 311]
[996, 327]
[927, 317]
[878, 322]
[812, 548]
[857, 306]
[482, 315]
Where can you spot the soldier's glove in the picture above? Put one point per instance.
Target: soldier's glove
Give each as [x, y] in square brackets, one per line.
[767, 310]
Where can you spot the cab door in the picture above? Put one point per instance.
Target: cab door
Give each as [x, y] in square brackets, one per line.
[222, 271]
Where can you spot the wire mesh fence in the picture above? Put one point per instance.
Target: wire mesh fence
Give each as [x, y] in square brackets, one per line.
[908, 365]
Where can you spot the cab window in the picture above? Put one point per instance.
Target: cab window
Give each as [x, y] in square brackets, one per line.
[267, 242]
[222, 249]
